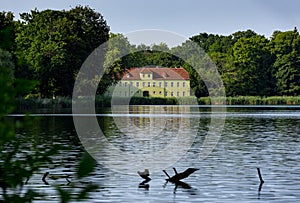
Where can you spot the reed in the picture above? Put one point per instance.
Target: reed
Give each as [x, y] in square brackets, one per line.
[27, 104]
[254, 100]
[104, 101]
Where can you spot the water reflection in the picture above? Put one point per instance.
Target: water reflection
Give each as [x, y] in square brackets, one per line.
[152, 137]
[182, 185]
[252, 137]
[144, 184]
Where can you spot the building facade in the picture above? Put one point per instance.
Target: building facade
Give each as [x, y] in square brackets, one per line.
[152, 82]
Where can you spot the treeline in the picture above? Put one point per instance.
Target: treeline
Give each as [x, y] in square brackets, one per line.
[50, 46]
[249, 64]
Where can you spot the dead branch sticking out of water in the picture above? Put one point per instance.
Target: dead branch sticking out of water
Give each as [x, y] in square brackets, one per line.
[260, 176]
[179, 176]
[261, 181]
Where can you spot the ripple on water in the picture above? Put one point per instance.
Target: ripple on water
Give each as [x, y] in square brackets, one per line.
[252, 137]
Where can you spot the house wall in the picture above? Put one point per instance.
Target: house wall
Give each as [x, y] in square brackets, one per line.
[155, 88]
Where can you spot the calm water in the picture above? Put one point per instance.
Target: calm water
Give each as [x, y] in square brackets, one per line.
[264, 137]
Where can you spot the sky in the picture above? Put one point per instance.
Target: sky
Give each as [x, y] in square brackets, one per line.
[183, 17]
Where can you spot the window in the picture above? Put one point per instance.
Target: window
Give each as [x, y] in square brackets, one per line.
[159, 92]
[178, 84]
[166, 84]
[125, 94]
[149, 84]
[125, 84]
[172, 84]
[166, 93]
[159, 84]
[144, 84]
[183, 93]
[154, 92]
[183, 84]
[154, 84]
[177, 94]
[137, 84]
[131, 83]
[172, 94]
[148, 75]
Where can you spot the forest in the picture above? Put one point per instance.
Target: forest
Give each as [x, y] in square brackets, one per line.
[45, 50]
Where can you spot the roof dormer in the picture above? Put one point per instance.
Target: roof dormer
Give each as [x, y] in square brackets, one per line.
[146, 75]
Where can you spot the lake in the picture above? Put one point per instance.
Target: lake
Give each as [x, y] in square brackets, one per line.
[227, 145]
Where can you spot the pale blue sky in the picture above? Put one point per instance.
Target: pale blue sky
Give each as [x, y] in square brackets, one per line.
[185, 17]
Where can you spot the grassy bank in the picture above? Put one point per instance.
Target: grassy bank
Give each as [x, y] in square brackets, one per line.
[255, 100]
[66, 102]
[100, 101]
[26, 105]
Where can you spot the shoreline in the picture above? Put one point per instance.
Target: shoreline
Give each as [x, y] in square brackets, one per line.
[61, 103]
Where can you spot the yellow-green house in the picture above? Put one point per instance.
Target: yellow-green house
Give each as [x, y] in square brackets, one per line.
[152, 82]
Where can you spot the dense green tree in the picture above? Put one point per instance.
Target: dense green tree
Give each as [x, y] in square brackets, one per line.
[118, 47]
[6, 81]
[115, 61]
[161, 56]
[204, 40]
[7, 28]
[250, 72]
[54, 44]
[220, 52]
[286, 47]
[242, 34]
[192, 59]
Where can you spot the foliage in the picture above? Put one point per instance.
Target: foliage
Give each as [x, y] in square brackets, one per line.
[255, 100]
[250, 73]
[50, 46]
[250, 64]
[286, 48]
[13, 171]
[85, 167]
[20, 160]
[7, 27]
[54, 44]
[6, 94]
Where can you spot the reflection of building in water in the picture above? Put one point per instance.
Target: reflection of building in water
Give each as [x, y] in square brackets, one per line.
[166, 118]
[150, 137]
[152, 82]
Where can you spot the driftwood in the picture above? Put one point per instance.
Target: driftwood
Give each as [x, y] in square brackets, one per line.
[261, 180]
[179, 176]
[54, 177]
[260, 176]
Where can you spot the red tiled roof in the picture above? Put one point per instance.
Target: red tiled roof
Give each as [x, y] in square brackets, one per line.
[158, 73]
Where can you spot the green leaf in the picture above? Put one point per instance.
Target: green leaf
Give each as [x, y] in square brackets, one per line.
[86, 166]
[65, 196]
